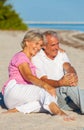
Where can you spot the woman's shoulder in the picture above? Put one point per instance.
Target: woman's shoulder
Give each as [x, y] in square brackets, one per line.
[19, 58]
[19, 55]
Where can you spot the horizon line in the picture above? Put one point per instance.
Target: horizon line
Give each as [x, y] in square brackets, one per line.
[45, 22]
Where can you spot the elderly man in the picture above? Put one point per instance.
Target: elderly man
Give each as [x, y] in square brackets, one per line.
[54, 67]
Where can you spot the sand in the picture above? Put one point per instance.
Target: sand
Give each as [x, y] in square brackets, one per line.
[72, 42]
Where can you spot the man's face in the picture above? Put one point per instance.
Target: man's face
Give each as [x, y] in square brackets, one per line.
[52, 47]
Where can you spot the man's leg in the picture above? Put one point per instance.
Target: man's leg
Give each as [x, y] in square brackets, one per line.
[77, 96]
[71, 98]
[63, 99]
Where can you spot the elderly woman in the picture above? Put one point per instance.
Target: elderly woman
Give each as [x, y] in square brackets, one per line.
[24, 92]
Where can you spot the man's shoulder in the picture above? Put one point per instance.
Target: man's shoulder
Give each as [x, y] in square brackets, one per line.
[39, 54]
[37, 60]
[63, 56]
[38, 57]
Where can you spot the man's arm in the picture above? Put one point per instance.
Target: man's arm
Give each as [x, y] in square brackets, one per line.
[69, 68]
[66, 80]
[71, 72]
[69, 79]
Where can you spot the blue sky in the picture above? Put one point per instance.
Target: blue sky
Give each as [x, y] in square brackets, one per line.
[50, 10]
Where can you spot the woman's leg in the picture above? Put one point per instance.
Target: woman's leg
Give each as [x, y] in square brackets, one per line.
[57, 111]
[22, 98]
[49, 103]
[11, 111]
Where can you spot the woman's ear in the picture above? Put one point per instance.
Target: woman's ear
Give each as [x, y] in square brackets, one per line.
[26, 43]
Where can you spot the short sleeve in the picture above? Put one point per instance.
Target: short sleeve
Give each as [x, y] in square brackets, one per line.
[65, 58]
[19, 58]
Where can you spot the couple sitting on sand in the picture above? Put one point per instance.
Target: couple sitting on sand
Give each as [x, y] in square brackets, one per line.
[41, 78]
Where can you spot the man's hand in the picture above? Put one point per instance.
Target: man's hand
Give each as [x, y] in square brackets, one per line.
[69, 79]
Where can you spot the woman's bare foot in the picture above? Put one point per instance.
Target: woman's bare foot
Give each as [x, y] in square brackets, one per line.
[57, 111]
[68, 118]
[11, 111]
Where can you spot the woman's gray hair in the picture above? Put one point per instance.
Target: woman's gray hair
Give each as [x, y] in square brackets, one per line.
[32, 35]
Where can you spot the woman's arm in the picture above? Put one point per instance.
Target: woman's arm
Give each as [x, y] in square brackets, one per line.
[28, 76]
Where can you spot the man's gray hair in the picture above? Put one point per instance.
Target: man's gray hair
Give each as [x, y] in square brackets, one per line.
[51, 33]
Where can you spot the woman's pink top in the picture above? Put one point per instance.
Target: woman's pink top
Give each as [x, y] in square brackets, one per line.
[14, 72]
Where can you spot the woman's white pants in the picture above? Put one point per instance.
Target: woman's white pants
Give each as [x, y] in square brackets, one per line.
[27, 98]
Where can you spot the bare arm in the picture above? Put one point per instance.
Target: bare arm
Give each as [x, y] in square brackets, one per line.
[68, 68]
[54, 83]
[71, 72]
[64, 81]
[69, 79]
[27, 75]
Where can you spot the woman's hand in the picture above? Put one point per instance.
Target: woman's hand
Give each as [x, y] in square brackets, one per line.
[61, 50]
[50, 89]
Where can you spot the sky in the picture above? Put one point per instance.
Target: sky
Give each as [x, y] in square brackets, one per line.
[49, 10]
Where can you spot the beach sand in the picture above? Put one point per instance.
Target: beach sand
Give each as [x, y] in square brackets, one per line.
[73, 43]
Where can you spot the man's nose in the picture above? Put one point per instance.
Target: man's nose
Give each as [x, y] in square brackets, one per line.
[57, 46]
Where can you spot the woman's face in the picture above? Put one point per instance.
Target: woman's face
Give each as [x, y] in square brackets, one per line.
[34, 47]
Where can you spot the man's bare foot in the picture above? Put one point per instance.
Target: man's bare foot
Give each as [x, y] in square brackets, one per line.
[11, 111]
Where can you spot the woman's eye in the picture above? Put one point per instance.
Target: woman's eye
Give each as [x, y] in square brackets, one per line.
[36, 43]
[41, 45]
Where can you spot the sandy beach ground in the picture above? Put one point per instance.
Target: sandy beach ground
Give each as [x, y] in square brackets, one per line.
[73, 43]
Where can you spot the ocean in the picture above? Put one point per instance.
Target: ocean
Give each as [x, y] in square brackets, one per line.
[74, 27]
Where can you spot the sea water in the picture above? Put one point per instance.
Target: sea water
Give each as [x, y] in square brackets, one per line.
[74, 27]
